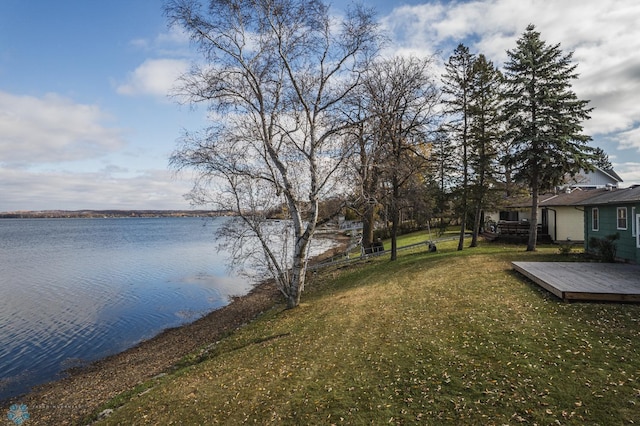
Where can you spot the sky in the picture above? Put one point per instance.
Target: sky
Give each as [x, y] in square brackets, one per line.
[86, 121]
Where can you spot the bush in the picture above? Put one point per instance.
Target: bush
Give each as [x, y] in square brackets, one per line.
[565, 248]
[605, 248]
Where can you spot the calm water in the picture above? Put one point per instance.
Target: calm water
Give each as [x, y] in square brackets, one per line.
[76, 290]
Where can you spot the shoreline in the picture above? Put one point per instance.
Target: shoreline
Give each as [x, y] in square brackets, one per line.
[69, 400]
[83, 390]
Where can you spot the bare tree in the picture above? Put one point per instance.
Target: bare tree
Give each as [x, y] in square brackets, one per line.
[402, 96]
[274, 74]
[365, 168]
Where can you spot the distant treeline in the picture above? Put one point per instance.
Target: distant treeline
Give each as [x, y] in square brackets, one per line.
[49, 214]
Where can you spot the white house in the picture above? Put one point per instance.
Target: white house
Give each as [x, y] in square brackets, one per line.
[560, 214]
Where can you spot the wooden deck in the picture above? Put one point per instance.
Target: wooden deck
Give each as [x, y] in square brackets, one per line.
[573, 281]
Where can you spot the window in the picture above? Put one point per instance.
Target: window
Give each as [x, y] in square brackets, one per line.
[622, 218]
[509, 215]
[595, 223]
[634, 228]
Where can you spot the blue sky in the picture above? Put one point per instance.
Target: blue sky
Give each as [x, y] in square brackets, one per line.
[85, 121]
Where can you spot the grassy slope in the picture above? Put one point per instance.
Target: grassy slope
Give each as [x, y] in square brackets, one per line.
[446, 338]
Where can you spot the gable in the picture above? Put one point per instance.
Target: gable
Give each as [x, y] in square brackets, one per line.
[596, 179]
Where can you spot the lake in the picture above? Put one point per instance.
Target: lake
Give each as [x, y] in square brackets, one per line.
[76, 290]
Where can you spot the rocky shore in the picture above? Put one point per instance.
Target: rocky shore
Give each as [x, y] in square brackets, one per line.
[71, 399]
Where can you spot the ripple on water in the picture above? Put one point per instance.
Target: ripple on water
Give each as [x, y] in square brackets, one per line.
[75, 291]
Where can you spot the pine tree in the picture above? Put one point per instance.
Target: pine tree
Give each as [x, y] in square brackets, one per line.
[544, 118]
[457, 88]
[443, 170]
[601, 159]
[484, 135]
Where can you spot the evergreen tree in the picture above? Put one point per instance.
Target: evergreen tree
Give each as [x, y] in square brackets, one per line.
[601, 159]
[442, 159]
[484, 135]
[544, 118]
[457, 89]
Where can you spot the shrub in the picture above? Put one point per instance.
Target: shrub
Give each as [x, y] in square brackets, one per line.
[565, 248]
[605, 248]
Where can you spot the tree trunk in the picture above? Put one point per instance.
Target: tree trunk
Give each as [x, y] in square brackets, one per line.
[463, 214]
[463, 225]
[296, 281]
[368, 226]
[478, 208]
[394, 236]
[533, 226]
[476, 226]
[465, 180]
[298, 272]
[395, 220]
[303, 235]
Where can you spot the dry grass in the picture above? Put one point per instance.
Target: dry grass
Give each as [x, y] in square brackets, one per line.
[446, 338]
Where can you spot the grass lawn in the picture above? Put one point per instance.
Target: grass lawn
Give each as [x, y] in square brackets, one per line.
[435, 338]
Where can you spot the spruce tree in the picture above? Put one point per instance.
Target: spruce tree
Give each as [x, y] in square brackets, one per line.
[484, 136]
[457, 89]
[443, 170]
[544, 118]
[601, 159]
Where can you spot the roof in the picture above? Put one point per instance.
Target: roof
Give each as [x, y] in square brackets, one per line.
[614, 196]
[613, 175]
[569, 199]
[556, 200]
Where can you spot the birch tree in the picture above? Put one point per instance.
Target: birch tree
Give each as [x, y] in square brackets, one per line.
[274, 74]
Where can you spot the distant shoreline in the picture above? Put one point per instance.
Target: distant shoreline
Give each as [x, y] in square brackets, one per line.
[97, 214]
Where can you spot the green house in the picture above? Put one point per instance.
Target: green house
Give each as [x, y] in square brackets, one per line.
[616, 211]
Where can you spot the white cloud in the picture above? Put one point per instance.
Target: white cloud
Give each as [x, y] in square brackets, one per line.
[155, 77]
[630, 139]
[172, 43]
[51, 129]
[176, 36]
[105, 189]
[602, 34]
[629, 172]
[140, 43]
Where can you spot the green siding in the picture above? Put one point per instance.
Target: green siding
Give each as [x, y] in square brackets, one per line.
[626, 246]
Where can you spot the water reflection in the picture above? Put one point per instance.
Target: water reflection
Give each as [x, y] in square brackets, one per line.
[76, 290]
